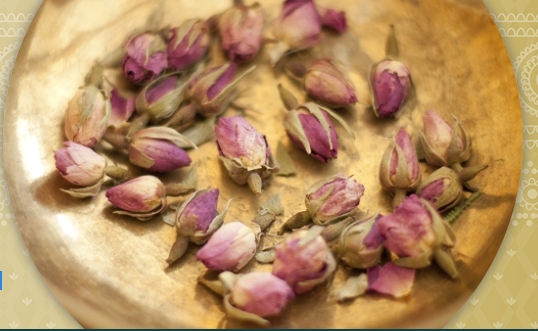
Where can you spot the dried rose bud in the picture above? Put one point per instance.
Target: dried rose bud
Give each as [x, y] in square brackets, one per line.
[244, 152]
[86, 117]
[390, 279]
[212, 90]
[240, 29]
[442, 188]
[79, 164]
[390, 81]
[327, 83]
[187, 44]
[297, 27]
[415, 232]
[162, 97]
[258, 293]
[360, 244]
[145, 57]
[121, 109]
[230, 248]
[141, 197]
[158, 149]
[332, 19]
[443, 145]
[399, 171]
[333, 198]
[303, 260]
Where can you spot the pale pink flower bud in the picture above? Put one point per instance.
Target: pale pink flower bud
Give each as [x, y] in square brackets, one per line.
[333, 198]
[161, 98]
[79, 164]
[303, 260]
[157, 149]
[121, 109]
[86, 117]
[145, 57]
[360, 244]
[443, 144]
[261, 294]
[390, 81]
[139, 195]
[400, 168]
[230, 248]
[442, 188]
[240, 29]
[327, 83]
[187, 44]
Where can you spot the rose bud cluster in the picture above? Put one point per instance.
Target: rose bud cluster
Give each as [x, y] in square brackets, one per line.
[325, 82]
[187, 44]
[360, 244]
[145, 57]
[241, 31]
[196, 220]
[304, 260]
[399, 171]
[415, 232]
[244, 152]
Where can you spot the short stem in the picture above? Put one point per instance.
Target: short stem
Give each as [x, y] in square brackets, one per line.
[333, 231]
[288, 99]
[254, 182]
[176, 189]
[178, 249]
[391, 46]
[214, 285]
[456, 167]
[174, 200]
[138, 124]
[118, 173]
[182, 118]
[296, 221]
[117, 140]
[399, 196]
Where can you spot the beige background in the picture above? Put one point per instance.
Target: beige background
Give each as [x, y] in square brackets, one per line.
[506, 298]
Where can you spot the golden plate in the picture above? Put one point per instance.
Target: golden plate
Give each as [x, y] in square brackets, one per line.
[110, 271]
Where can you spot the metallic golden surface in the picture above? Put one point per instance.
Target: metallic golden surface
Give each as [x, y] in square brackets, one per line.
[110, 271]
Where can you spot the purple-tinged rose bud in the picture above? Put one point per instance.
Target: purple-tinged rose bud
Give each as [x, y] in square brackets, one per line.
[259, 293]
[390, 81]
[415, 232]
[86, 117]
[443, 145]
[121, 109]
[187, 44]
[79, 164]
[141, 197]
[244, 152]
[303, 260]
[230, 248]
[240, 29]
[327, 83]
[212, 90]
[159, 149]
[145, 57]
[333, 198]
[297, 27]
[332, 19]
[162, 97]
[390, 279]
[442, 188]
[399, 171]
[360, 244]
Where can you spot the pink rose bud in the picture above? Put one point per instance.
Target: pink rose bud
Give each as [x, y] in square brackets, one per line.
[145, 57]
[442, 188]
[195, 217]
[141, 197]
[327, 83]
[399, 171]
[240, 29]
[333, 198]
[187, 44]
[415, 232]
[79, 164]
[297, 27]
[244, 151]
[443, 146]
[261, 294]
[360, 244]
[157, 149]
[390, 279]
[332, 19]
[121, 109]
[303, 260]
[230, 248]
[161, 98]
[390, 82]
[211, 91]
[86, 117]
